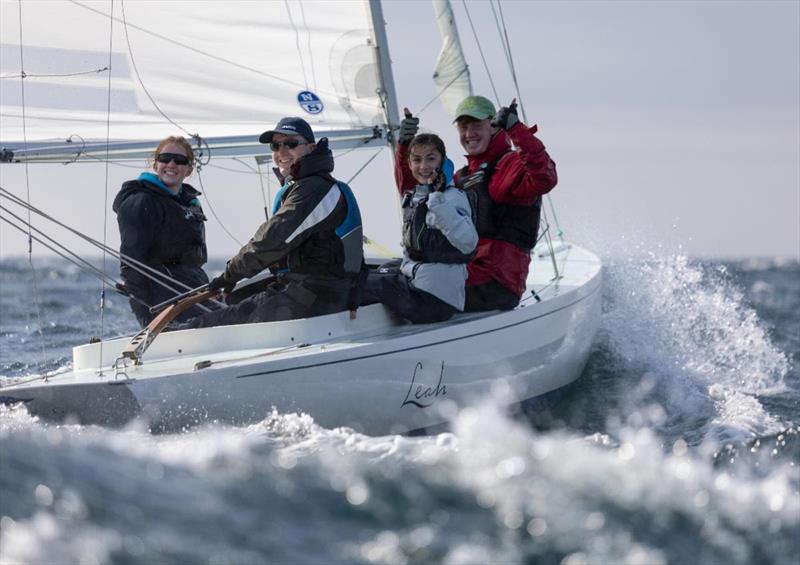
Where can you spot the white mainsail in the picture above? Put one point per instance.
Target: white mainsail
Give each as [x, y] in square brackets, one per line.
[221, 70]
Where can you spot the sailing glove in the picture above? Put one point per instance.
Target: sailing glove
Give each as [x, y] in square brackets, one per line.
[221, 283]
[506, 116]
[409, 127]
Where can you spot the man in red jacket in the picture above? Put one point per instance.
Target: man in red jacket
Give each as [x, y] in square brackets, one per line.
[506, 185]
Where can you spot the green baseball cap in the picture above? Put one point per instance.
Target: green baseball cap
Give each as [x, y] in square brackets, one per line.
[477, 107]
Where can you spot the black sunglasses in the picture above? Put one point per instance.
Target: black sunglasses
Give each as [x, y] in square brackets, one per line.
[177, 157]
[290, 144]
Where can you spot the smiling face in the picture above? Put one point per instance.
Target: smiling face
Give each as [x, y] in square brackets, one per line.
[284, 157]
[425, 161]
[172, 174]
[475, 135]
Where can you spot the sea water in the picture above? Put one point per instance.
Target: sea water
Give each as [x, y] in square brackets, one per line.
[680, 443]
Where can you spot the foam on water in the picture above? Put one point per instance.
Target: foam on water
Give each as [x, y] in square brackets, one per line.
[493, 488]
[683, 363]
[688, 329]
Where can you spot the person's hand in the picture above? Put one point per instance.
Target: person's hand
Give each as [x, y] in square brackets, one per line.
[435, 199]
[220, 283]
[122, 289]
[439, 184]
[506, 116]
[409, 127]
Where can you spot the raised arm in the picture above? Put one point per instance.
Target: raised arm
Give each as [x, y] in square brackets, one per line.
[402, 173]
[527, 173]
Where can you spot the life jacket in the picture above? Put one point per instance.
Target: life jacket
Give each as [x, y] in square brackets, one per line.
[422, 242]
[516, 224]
[349, 231]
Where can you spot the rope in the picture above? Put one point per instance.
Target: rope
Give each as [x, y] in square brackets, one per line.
[209, 55]
[34, 285]
[435, 98]
[502, 31]
[480, 50]
[142, 268]
[213, 213]
[499, 31]
[136, 69]
[24, 75]
[507, 47]
[79, 262]
[364, 166]
[310, 51]
[263, 194]
[297, 42]
[105, 201]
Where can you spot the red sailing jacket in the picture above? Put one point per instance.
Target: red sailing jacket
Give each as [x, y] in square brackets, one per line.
[520, 177]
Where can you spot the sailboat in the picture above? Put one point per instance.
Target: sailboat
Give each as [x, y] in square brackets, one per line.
[117, 79]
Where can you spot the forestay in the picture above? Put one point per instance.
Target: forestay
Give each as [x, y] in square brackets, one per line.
[221, 70]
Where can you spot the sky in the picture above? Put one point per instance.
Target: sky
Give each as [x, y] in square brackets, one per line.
[675, 127]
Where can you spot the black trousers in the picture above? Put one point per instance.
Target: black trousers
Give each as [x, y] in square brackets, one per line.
[282, 300]
[394, 290]
[489, 296]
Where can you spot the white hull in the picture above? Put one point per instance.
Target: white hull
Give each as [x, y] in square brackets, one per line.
[371, 373]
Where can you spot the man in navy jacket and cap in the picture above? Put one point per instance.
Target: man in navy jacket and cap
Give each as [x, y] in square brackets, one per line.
[313, 240]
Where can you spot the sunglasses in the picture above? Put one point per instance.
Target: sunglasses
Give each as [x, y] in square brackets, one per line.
[176, 157]
[290, 144]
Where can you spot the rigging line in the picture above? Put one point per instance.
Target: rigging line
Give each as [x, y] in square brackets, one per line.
[78, 260]
[89, 268]
[34, 286]
[62, 75]
[263, 193]
[200, 52]
[364, 166]
[500, 32]
[210, 207]
[480, 50]
[507, 46]
[105, 201]
[260, 180]
[559, 232]
[310, 51]
[230, 170]
[297, 42]
[136, 70]
[550, 247]
[138, 266]
[448, 85]
[218, 58]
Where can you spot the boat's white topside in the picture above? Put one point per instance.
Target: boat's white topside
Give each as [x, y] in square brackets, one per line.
[375, 372]
[182, 351]
[247, 343]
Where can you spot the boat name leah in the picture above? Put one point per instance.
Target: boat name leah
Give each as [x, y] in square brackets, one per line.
[424, 396]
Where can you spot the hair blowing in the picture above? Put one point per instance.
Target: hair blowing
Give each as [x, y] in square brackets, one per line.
[178, 140]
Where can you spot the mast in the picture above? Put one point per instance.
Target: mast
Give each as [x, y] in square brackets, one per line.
[387, 94]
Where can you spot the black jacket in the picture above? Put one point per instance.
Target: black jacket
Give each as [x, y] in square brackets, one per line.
[165, 232]
[302, 233]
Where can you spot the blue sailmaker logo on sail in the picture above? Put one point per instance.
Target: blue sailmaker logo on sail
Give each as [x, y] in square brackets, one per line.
[310, 102]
